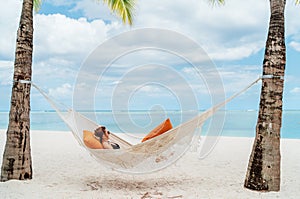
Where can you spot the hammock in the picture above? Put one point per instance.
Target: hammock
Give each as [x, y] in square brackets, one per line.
[151, 155]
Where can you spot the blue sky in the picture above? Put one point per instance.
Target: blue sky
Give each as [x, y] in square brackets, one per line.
[67, 32]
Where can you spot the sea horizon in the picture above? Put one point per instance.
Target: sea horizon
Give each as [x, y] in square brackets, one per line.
[237, 123]
[144, 110]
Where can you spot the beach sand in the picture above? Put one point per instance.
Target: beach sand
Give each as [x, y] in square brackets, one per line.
[63, 169]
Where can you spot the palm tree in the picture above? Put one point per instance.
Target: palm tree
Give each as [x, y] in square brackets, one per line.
[263, 172]
[16, 163]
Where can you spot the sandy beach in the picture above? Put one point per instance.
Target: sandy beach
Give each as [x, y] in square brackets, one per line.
[63, 169]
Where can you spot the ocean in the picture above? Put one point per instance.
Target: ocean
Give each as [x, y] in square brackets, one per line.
[236, 124]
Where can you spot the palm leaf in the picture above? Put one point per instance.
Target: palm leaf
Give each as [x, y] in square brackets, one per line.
[220, 2]
[37, 5]
[123, 8]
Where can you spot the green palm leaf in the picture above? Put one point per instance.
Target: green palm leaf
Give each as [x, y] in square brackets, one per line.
[221, 2]
[37, 5]
[123, 8]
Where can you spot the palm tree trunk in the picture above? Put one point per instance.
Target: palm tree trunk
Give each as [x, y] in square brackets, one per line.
[17, 154]
[263, 172]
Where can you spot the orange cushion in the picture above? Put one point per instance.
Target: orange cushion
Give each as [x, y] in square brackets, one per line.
[90, 141]
[160, 129]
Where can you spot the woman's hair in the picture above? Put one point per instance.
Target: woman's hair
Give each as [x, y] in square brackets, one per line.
[99, 132]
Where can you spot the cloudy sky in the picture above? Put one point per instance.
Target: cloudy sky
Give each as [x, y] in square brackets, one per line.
[67, 33]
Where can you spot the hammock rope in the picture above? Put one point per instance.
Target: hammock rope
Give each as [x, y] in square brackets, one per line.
[148, 156]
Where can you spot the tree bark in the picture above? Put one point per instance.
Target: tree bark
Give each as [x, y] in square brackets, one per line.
[263, 172]
[17, 162]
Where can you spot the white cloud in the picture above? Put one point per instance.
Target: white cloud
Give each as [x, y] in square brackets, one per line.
[235, 52]
[295, 45]
[225, 32]
[231, 32]
[291, 20]
[237, 77]
[6, 65]
[94, 10]
[60, 43]
[58, 35]
[295, 90]
[155, 90]
[62, 92]
[233, 78]
[9, 20]
[6, 72]
[52, 72]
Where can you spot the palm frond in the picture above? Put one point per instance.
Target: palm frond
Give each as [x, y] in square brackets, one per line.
[123, 8]
[219, 2]
[37, 5]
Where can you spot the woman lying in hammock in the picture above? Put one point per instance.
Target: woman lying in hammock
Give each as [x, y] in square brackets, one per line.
[103, 136]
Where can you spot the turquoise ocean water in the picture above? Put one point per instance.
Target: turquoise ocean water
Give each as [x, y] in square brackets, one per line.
[237, 123]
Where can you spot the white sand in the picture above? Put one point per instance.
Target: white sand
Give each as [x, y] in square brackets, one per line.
[62, 169]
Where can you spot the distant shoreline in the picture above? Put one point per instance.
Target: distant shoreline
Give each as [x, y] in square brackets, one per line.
[110, 111]
[236, 123]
